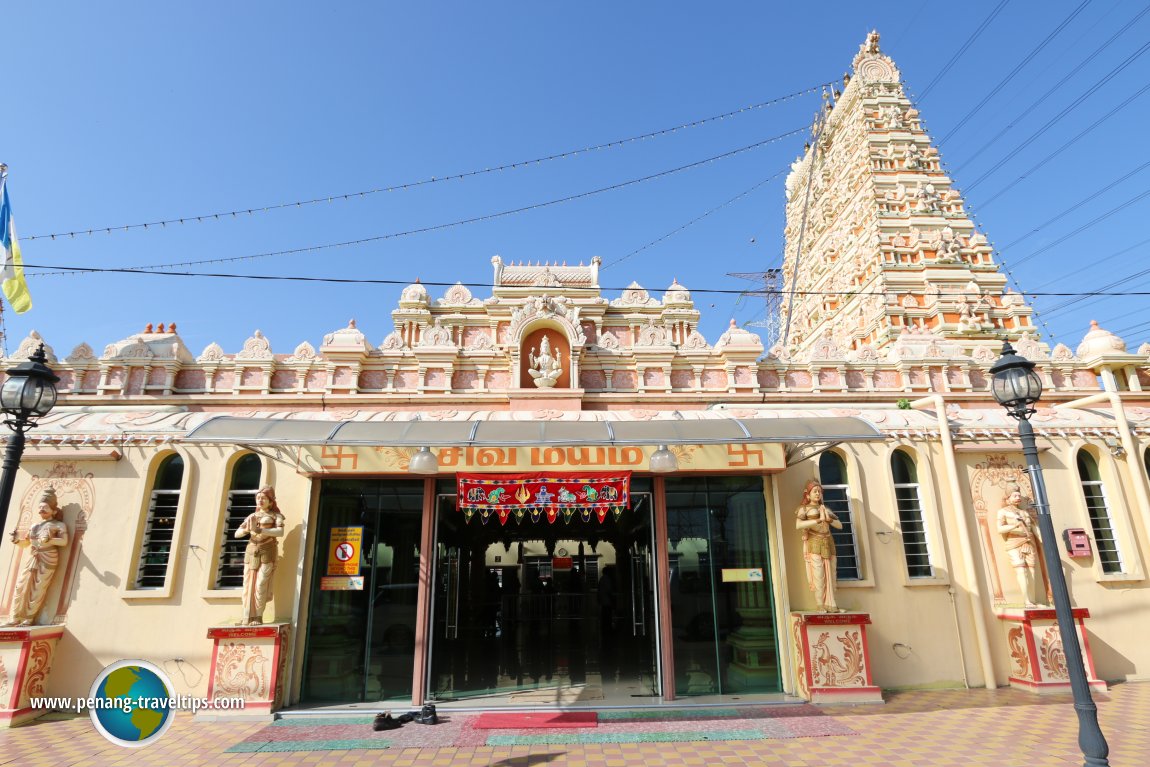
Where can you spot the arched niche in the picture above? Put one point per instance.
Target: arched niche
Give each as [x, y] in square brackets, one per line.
[560, 349]
[556, 318]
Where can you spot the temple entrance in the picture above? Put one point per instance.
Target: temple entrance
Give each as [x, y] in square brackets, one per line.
[541, 613]
[361, 627]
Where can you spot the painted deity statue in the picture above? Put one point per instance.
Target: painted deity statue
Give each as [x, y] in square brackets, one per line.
[263, 527]
[45, 541]
[816, 521]
[1016, 527]
[545, 369]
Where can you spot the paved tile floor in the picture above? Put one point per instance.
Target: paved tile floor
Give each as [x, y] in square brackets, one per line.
[972, 728]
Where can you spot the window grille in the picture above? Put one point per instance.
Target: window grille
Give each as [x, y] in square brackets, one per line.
[156, 549]
[241, 502]
[1109, 554]
[910, 517]
[836, 496]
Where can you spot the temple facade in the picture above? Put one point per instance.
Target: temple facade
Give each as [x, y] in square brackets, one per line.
[545, 495]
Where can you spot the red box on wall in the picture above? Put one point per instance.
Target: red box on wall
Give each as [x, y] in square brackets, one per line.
[1077, 542]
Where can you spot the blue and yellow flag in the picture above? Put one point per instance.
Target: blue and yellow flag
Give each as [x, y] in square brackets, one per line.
[15, 288]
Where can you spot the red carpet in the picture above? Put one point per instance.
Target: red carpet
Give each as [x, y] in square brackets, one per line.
[517, 721]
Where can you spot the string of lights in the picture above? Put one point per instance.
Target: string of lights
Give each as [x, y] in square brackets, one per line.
[995, 253]
[207, 217]
[481, 285]
[448, 225]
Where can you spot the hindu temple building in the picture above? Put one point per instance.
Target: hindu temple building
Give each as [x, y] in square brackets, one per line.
[548, 496]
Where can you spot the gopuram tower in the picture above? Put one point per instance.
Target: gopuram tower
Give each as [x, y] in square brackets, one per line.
[879, 247]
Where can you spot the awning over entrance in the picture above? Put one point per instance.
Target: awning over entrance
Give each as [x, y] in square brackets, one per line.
[803, 436]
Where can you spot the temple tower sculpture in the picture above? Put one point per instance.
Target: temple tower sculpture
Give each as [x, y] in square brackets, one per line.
[871, 213]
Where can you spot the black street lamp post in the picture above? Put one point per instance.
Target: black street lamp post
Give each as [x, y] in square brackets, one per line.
[28, 392]
[1017, 387]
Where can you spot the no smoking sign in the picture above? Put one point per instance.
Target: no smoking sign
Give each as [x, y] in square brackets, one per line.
[343, 552]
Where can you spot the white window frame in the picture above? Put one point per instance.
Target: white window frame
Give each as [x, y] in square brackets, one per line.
[131, 589]
[927, 551]
[851, 518]
[1100, 485]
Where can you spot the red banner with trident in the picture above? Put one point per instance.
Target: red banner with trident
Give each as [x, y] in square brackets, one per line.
[547, 496]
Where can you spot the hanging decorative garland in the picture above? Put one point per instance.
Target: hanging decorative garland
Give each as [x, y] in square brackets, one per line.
[544, 496]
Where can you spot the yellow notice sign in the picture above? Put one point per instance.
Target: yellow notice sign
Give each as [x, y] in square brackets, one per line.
[742, 575]
[341, 583]
[343, 551]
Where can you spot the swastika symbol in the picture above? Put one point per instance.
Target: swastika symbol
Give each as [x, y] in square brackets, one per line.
[338, 455]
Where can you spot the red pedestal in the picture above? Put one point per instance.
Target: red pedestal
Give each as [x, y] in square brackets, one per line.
[248, 662]
[26, 654]
[1037, 661]
[832, 658]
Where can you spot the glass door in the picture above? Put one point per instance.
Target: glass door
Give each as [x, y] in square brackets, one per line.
[545, 613]
[361, 629]
[722, 620]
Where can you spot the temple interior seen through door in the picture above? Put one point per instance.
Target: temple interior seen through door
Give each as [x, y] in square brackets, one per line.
[545, 612]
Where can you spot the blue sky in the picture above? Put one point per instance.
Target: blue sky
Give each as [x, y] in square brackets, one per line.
[139, 112]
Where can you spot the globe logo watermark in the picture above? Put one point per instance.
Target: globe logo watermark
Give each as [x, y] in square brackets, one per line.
[132, 703]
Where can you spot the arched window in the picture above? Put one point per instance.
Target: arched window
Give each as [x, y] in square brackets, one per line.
[910, 515]
[836, 495]
[241, 502]
[156, 549]
[1108, 554]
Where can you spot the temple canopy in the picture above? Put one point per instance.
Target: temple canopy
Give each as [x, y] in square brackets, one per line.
[806, 436]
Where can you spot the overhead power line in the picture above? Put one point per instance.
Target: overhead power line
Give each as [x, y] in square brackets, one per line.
[1052, 90]
[1018, 68]
[1102, 291]
[371, 281]
[1094, 263]
[959, 53]
[207, 217]
[1090, 91]
[472, 220]
[1093, 222]
[1062, 214]
[1130, 100]
[695, 220]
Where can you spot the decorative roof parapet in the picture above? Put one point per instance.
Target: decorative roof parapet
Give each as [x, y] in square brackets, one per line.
[635, 296]
[161, 343]
[349, 339]
[545, 274]
[29, 346]
[256, 348]
[736, 338]
[1099, 342]
[458, 295]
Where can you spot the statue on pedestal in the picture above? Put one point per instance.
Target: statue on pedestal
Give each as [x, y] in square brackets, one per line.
[545, 369]
[1016, 527]
[263, 527]
[816, 521]
[44, 540]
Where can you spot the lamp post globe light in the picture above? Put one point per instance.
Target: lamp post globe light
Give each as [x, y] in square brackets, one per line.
[28, 393]
[1017, 387]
